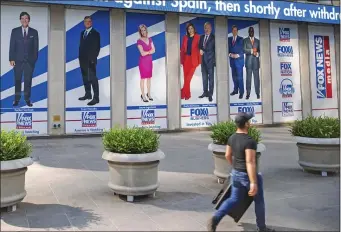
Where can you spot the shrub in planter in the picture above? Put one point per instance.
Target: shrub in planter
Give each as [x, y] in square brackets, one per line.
[14, 158]
[318, 142]
[220, 134]
[133, 157]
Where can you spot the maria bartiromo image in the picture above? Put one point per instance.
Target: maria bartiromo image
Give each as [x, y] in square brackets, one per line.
[89, 48]
[23, 54]
[146, 48]
[190, 58]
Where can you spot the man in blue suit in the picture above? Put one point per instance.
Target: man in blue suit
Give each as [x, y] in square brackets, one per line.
[23, 54]
[207, 50]
[236, 55]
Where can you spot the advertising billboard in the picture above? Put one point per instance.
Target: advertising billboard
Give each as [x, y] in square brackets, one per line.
[286, 79]
[244, 57]
[323, 71]
[24, 69]
[87, 68]
[146, 86]
[197, 72]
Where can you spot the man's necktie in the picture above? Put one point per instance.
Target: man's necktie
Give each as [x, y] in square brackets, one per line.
[252, 41]
[85, 34]
[205, 40]
[233, 41]
[25, 35]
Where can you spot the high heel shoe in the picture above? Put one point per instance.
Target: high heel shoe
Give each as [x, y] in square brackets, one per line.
[144, 100]
[150, 99]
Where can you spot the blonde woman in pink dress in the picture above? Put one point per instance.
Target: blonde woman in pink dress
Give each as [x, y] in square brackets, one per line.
[146, 48]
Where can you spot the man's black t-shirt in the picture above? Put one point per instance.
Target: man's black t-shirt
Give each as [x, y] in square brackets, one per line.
[239, 142]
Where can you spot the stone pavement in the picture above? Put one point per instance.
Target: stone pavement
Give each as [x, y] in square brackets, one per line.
[67, 190]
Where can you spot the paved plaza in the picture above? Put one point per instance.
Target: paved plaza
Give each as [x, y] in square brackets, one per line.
[67, 190]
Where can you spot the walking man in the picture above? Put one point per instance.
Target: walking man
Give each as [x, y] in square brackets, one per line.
[236, 54]
[23, 55]
[89, 48]
[207, 50]
[244, 174]
[251, 50]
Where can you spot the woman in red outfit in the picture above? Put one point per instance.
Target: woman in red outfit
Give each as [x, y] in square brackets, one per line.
[190, 58]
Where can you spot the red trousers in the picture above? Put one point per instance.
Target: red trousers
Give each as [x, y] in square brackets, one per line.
[189, 70]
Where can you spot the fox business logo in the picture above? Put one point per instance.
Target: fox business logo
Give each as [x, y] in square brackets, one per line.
[286, 88]
[284, 34]
[287, 109]
[147, 117]
[286, 69]
[324, 85]
[285, 51]
[246, 109]
[24, 120]
[199, 114]
[89, 119]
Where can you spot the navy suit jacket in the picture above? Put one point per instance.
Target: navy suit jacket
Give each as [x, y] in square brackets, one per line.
[209, 50]
[17, 46]
[237, 48]
[89, 47]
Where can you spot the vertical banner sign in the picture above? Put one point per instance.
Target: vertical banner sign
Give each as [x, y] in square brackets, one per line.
[146, 87]
[322, 71]
[286, 79]
[24, 47]
[87, 71]
[197, 73]
[244, 55]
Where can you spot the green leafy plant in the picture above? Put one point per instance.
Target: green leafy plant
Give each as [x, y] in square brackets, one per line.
[131, 140]
[222, 131]
[14, 146]
[316, 127]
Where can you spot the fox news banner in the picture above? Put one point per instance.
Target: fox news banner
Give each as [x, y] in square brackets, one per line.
[197, 112]
[81, 115]
[143, 109]
[29, 118]
[286, 87]
[322, 71]
[281, 10]
[253, 104]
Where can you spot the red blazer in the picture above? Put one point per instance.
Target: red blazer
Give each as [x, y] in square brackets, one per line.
[196, 57]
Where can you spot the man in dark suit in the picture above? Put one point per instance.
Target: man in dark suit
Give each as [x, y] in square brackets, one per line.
[89, 48]
[23, 54]
[207, 50]
[236, 54]
[251, 49]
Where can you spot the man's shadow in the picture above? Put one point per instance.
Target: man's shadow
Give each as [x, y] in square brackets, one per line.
[252, 227]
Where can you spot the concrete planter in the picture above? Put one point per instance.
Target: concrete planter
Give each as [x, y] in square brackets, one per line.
[319, 154]
[133, 174]
[222, 169]
[13, 182]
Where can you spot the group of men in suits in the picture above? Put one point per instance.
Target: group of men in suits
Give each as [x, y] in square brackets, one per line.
[23, 55]
[238, 46]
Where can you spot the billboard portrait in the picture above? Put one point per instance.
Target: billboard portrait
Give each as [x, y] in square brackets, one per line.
[323, 71]
[24, 62]
[87, 71]
[146, 83]
[245, 74]
[286, 78]
[197, 72]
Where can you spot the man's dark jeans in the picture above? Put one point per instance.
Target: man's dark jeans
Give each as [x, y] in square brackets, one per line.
[241, 186]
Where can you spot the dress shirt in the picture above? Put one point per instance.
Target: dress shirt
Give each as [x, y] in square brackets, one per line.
[189, 45]
[253, 38]
[87, 31]
[23, 30]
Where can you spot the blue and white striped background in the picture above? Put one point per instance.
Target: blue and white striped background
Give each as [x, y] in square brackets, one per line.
[156, 31]
[74, 82]
[40, 22]
[235, 102]
[196, 83]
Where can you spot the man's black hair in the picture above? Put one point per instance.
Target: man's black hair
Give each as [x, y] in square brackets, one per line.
[23, 14]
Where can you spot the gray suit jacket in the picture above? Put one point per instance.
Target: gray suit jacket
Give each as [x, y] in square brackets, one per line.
[251, 61]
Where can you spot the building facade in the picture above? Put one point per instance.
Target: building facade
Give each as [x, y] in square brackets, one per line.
[165, 65]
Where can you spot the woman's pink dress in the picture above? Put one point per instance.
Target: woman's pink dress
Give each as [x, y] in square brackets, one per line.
[146, 62]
